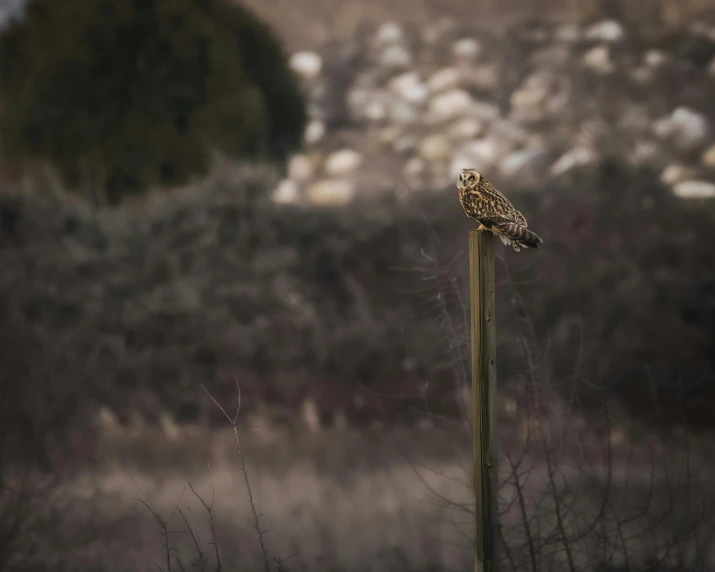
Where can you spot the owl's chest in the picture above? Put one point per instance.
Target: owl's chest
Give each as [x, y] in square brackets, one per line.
[472, 202]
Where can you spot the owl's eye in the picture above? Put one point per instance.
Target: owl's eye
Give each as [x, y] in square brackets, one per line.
[471, 177]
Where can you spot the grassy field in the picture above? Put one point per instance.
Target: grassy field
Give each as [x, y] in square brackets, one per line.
[393, 499]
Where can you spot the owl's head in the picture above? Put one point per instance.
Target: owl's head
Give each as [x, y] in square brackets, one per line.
[468, 178]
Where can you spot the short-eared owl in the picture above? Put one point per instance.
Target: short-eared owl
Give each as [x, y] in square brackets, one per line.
[493, 211]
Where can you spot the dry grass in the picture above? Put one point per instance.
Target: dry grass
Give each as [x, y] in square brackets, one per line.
[399, 500]
[336, 499]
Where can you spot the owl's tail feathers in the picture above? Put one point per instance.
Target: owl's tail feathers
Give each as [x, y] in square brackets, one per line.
[522, 235]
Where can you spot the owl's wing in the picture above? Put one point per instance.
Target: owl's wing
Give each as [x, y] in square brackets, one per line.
[493, 193]
[499, 219]
[499, 204]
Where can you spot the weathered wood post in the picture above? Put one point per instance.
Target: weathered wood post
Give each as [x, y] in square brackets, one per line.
[486, 460]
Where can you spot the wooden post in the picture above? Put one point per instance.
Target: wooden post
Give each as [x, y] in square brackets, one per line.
[486, 460]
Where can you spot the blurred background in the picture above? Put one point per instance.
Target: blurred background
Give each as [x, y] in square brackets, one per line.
[211, 204]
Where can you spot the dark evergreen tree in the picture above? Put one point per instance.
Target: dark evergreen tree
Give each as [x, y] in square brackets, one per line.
[120, 95]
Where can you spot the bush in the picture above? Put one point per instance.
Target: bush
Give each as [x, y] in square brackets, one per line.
[121, 95]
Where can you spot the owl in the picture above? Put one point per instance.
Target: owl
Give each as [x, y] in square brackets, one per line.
[493, 211]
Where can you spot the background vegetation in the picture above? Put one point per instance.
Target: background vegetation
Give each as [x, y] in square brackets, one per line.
[138, 94]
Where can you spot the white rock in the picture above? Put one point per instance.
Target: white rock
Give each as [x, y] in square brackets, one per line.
[404, 143]
[524, 162]
[286, 192]
[444, 80]
[598, 59]
[331, 192]
[695, 190]
[414, 167]
[674, 173]
[375, 110]
[358, 97]
[306, 64]
[438, 31]
[485, 111]
[528, 103]
[314, 131]
[572, 159]
[655, 58]
[466, 48]
[687, 128]
[300, 168]
[389, 33]
[395, 57]
[644, 153]
[529, 97]
[435, 147]
[567, 34]
[343, 162]
[551, 56]
[510, 133]
[410, 87]
[402, 112]
[484, 77]
[642, 74]
[481, 154]
[605, 31]
[389, 134]
[708, 157]
[467, 128]
[450, 105]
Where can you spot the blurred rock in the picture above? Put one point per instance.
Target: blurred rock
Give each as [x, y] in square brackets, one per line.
[414, 168]
[306, 64]
[342, 162]
[466, 49]
[467, 128]
[656, 58]
[695, 190]
[388, 34]
[287, 192]
[644, 153]
[708, 157]
[598, 59]
[572, 159]
[395, 57]
[331, 192]
[526, 164]
[438, 96]
[410, 87]
[605, 31]
[444, 80]
[484, 111]
[435, 147]
[675, 173]
[405, 143]
[528, 102]
[482, 78]
[568, 34]
[300, 168]
[481, 154]
[402, 112]
[375, 110]
[685, 127]
[314, 132]
[449, 105]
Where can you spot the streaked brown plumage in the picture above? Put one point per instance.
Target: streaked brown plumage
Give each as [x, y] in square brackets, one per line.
[493, 211]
